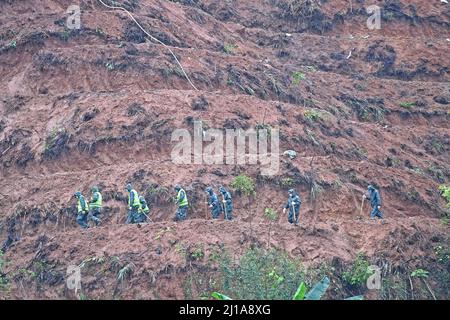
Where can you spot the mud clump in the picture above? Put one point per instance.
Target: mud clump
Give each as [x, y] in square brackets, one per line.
[200, 104]
[44, 61]
[384, 54]
[14, 104]
[307, 15]
[442, 100]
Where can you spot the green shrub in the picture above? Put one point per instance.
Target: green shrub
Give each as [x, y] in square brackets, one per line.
[287, 182]
[270, 214]
[52, 137]
[244, 184]
[197, 253]
[420, 273]
[261, 274]
[263, 126]
[3, 280]
[359, 272]
[407, 105]
[316, 293]
[445, 192]
[313, 115]
[297, 77]
[442, 254]
[229, 48]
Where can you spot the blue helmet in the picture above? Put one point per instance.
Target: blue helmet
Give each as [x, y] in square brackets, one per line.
[209, 190]
[77, 194]
[177, 188]
[129, 187]
[222, 189]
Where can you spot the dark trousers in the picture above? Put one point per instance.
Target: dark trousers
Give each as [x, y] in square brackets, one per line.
[95, 215]
[228, 211]
[291, 214]
[181, 213]
[216, 210]
[133, 216]
[82, 219]
[376, 213]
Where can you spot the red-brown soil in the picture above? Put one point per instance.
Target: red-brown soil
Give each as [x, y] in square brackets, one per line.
[68, 122]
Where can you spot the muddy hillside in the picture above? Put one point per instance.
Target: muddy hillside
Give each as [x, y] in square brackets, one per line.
[97, 105]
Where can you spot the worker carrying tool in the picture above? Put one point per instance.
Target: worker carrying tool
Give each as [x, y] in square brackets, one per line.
[95, 206]
[82, 210]
[143, 210]
[293, 204]
[213, 203]
[133, 205]
[182, 202]
[227, 203]
[375, 201]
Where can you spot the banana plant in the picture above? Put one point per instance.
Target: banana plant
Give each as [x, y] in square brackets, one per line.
[220, 296]
[316, 293]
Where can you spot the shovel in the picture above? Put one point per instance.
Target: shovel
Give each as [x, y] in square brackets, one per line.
[224, 211]
[362, 206]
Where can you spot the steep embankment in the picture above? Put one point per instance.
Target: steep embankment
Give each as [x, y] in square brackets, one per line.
[98, 105]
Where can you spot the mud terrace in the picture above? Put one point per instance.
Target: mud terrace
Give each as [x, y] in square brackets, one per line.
[97, 106]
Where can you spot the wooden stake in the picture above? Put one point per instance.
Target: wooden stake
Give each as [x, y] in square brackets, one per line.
[24, 222]
[362, 206]
[64, 225]
[206, 207]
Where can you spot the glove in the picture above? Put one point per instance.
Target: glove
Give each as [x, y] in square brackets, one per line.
[364, 196]
[379, 207]
[224, 201]
[284, 210]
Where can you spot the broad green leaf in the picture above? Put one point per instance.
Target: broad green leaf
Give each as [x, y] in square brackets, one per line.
[319, 290]
[301, 291]
[355, 298]
[220, 296]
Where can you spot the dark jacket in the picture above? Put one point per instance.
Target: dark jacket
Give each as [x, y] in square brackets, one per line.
[374, 197]
[294, 201]
[213, 200]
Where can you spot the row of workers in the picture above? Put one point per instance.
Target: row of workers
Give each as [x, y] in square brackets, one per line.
[138, 210]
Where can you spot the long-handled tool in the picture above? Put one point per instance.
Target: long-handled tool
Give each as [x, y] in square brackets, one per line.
[362, 205]
[224, 211]
[24, 224]
[206, 208]
[224, 207]
[148, 218]
[295, 216]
